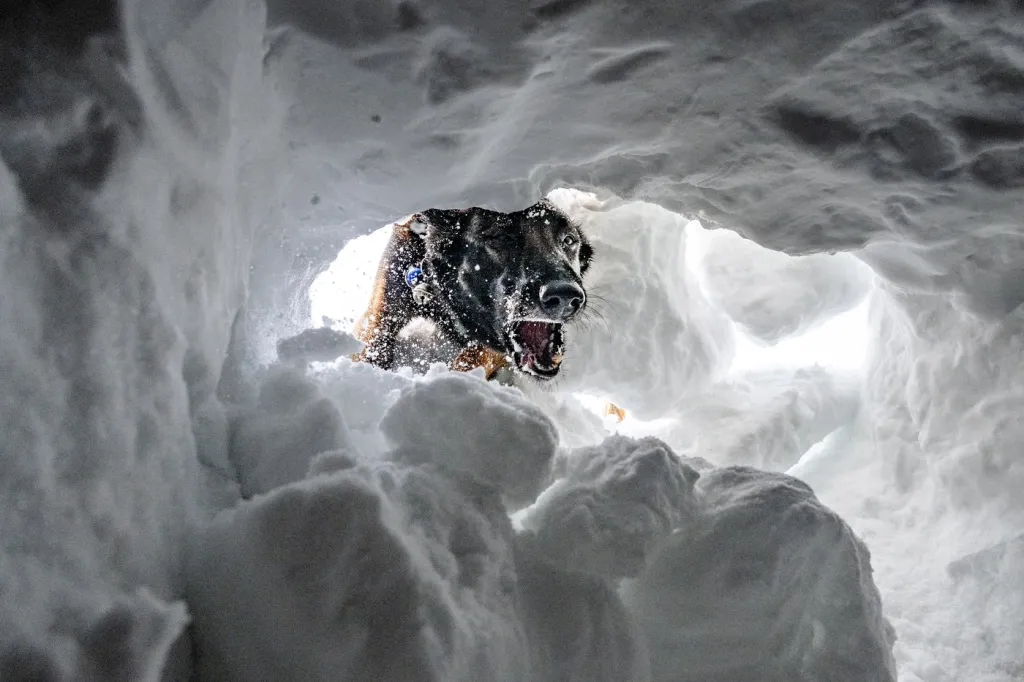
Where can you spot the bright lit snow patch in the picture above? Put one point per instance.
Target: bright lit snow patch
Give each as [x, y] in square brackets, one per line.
[839, 344]
[340, 294]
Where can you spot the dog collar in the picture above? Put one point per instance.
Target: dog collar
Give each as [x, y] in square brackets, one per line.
[413, 276]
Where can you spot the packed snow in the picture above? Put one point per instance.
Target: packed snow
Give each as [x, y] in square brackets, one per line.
[196, 482]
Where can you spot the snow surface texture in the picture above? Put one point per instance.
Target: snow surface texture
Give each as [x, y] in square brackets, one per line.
[136, 176]
[771, 295]
[650, 336]
[123, 260]
[402, 564]
[767, 585]
[806, 125]
[766, 419]
[614, 505]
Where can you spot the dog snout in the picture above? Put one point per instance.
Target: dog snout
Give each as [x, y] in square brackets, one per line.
[561, 299]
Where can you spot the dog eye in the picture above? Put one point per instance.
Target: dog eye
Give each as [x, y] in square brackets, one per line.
[569, 241]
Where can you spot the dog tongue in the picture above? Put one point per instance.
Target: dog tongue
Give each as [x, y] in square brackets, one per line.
[540, 344]
[534, 336]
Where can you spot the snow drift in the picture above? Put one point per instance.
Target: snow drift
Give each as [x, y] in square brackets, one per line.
[404, 565]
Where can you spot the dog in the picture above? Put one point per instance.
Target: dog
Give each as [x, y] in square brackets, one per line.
[498, 287]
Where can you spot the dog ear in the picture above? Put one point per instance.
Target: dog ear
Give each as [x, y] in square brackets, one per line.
[418, 225]
[442, 220]
[431, 222]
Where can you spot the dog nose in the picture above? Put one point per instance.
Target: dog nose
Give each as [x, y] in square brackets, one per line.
[561, 300]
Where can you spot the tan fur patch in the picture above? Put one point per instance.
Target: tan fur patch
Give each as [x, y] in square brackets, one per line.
[368, 323]
[478, 356]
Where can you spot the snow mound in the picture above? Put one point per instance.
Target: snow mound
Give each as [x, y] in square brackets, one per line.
[614, 506]
[771, 295]
[383, 574]
[402, 564]
[465, 424]
[767, 585]
[376, 569]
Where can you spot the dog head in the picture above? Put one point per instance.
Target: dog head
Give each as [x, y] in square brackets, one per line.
[510, 281]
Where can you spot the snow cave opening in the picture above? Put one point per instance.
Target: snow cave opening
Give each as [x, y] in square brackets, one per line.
[828, 336]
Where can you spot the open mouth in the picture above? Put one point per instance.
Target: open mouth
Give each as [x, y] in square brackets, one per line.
[538, 346]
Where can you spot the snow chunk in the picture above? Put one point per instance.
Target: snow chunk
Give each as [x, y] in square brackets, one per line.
[768, 585]
[578, 626]
[292, 422]
[334, 578]
[616, 504]
[364, 393]
[131, 641]
[318, 345]
[771, 295]
[461, 422]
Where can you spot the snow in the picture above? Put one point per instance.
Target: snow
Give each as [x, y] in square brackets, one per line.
[767, 419]
[767, 584]
[772, 296]
[123, 258]
[183, 447]
[462, 424]
[292, 422]
[380, 574]
[341, 293]
[651, 335]
[613, 506]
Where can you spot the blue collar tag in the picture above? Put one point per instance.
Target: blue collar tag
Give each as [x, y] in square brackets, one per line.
[413, 276]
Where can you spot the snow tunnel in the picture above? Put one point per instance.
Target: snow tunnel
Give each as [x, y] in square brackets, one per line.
[807, 223]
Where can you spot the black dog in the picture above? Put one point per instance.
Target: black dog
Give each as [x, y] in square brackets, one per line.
[498, 286]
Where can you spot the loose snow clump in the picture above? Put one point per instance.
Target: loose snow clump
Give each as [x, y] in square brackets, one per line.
[767, 585]
[490, 433]
[616, 504]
